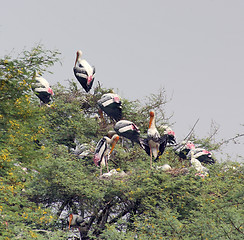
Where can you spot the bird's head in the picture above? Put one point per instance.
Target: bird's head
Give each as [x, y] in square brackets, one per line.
[151, 114]
[190, 145]
[78, 55]
[168, 131]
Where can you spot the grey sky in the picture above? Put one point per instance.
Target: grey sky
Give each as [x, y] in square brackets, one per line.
[193, 48]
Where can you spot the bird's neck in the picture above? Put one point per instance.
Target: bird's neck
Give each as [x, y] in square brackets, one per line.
[152, 123]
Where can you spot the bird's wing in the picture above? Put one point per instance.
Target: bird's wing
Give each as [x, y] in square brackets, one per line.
[122, 127]
[145, 144]
[80, 72]
[204, 156]
[100, 151]
[162, 144]
[82, 75]
[171, 139]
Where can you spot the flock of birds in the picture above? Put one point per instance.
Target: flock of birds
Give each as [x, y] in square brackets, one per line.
[110, 103]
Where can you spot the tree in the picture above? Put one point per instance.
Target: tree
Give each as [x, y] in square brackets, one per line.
[43, 180]
[21, 127]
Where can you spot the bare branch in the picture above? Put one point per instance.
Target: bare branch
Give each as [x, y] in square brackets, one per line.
[190, 133]
[232, 139]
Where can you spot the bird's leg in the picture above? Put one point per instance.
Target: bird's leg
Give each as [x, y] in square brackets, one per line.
[151, 158]
[122, 142]
[107, 162]
[101, 170]
[80, 233]
[107, 168]
[100, 112]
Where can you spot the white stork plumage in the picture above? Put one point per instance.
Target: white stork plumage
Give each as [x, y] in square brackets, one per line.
[129, 130]
[84, 72]
[154, 144]
[42, 89]
[102, 151]
[110, 103]
[197, 164]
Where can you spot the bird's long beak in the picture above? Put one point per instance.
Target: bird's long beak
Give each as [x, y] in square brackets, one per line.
[77, 56]
[70, 219]
[113, 144]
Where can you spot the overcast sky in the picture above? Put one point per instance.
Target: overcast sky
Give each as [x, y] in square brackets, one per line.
[192, 48]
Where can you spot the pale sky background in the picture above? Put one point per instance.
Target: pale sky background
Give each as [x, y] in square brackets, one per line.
[192, 48]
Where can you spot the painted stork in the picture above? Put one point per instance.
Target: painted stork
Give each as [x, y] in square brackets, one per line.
[102, 152]
[170, 135]
[42, 89]
[110, 103]
[154, 144]
[84, 72]
[183, 149]
[75, 220]
[199, 153]
[203, 155]
[129, 130]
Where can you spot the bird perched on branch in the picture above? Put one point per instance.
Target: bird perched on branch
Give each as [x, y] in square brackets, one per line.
[170, 135]
[75, 220]
[102, 151]
[154, 144]
[42, 89]
[199, 153]
[84, 72]
[183, 149]
[129, 130]
[110, 103]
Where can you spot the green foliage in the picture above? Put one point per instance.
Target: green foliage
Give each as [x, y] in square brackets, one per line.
[42, 180]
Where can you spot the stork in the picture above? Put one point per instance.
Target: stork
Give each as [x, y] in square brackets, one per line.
[84, 72]
[110, 103]
[203, 155]
[102, 152]
[183, 149]
[129, 130]
[42, 89]
[170, 135]
[154, 144]
[199, 153]
[75, 220]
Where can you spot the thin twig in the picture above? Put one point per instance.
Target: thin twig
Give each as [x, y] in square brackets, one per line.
[190, 133]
